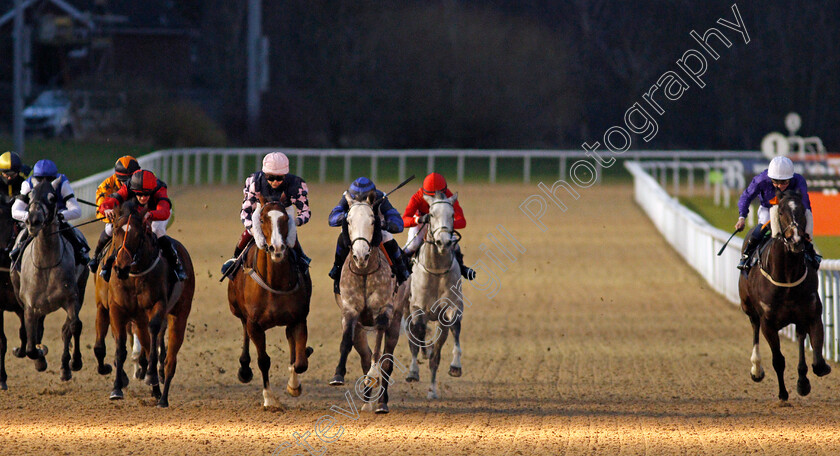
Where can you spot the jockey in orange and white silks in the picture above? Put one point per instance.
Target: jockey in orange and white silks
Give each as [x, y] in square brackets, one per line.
[67, 208]
[274, 183]
[149, 195]
[123, 169]
[778, 175]
[416, 216]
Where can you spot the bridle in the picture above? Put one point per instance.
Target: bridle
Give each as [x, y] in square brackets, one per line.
[361, 238]
[430, 234]
[135, 256]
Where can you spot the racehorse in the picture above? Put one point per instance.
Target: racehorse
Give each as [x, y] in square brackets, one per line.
[368, 298]
[433, 297]
[8, 301]
[781, 290]
[269, 291]
[146, 292]
[49, 279]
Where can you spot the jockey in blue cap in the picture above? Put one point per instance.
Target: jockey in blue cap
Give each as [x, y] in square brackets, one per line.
[388, 218]
[67, 208]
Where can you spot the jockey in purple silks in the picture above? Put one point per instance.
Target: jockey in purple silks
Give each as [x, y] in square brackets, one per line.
[779, 175]
[274, 183]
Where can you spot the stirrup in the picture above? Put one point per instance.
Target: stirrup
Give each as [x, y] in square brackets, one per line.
[93, 264]
[744, 264]
[227, 265]
[335, 272]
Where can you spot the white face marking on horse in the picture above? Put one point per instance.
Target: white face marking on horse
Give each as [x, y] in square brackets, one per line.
[126, 227]
[360, 226]
[276, 237]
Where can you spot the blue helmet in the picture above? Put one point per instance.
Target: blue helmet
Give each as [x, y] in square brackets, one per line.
[360, 187]
[45, 168]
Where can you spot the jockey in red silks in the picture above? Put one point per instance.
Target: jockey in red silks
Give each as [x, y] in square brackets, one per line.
[416, 218]
[149, 194]
[778, 176]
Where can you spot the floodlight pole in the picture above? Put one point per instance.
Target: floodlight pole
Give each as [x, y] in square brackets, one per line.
[17, 83]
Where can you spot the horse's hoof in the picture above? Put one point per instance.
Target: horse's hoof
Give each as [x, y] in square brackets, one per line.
[309, 351]
[294, 392]
[245, 374]
[338, 380]
[18, 352]
[151, 381]
[43, 349]
[76, 365]
[821, 369]
[432, 395]
[412, 377]
[163, 403]
[104, 369]
[3, 386]
[454, 371]
[40, 364]
[783, 403]
[803, 387]
[156, 392]
[116, 395]
[367, 407]
[757, 378]
[65, 375]
[381, 409]
[139, 374]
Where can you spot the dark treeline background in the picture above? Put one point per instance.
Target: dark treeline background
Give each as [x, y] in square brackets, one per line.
[517, 73]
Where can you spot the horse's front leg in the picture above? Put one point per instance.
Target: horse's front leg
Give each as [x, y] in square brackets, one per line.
[803, 386]
[3, 377]
[455, 366]
[156, 317]
[772, 337]
[434, 360]
[257, 334]
[245, 373]
[76, 329]
[71, 325]
[33, 324]
[20, 352]
[120, 353]
[360, 343]
[416, 341]
[102, 322]
[296, 335]
[817, 336]
[348, 324]
[386, 366]
[756, 371]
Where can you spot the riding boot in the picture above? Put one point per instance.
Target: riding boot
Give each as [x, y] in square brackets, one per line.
[107, 266]
[243, 241]
[171, 254]
[397, 263]
[752, 242]
[21, 244]
[811, 255]
[80, 247]
[466, 272]
[104, 239]
[301, 259]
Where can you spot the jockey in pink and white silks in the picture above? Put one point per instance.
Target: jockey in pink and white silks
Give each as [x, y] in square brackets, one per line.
[274, 183]
[779, 175]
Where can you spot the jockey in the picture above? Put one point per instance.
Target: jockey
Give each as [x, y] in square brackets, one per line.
[149, 193]
[67, 208]
[779, 175]
[388, 218]
[123, 169]
[275, 183]
[13, 173]
[416, 217]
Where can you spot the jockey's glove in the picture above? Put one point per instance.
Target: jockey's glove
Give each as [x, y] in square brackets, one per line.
[423, 218]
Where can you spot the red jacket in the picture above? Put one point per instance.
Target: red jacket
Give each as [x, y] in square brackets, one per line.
[159, 201]
[418, 206]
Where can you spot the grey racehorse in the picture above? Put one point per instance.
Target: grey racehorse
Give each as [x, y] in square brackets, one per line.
[433, 296]
[368, 298]
[49, 279]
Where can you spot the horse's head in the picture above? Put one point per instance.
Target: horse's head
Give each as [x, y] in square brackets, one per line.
[361, 227]
[43, 200]
[133, 235]
[273, 232]
[442, 221]
[791, 220]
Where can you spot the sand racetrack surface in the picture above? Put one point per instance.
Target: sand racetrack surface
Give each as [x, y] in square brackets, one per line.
[600, 340]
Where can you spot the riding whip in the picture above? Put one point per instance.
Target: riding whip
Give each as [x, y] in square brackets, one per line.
[395, 189]
[86, 202]
[81, 224]
[727, 242]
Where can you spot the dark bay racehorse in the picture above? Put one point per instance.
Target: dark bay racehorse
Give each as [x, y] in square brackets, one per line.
[269, 291]
[8, 301]
[781, 290]
[49, 279]
[368, 298]
[146, 292]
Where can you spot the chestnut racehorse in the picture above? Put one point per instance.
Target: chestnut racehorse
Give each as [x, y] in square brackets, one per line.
[781, 290]
[145, 291]
[269, 291]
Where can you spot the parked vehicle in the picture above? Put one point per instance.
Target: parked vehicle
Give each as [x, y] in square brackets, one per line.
[51, 114]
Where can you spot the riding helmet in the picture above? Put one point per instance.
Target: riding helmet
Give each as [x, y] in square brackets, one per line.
[125, 167]
[10, 161]
[143, 182]
[781, 168]
[276, 164]
[45, 168]
[361, 186]
[434, 183]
